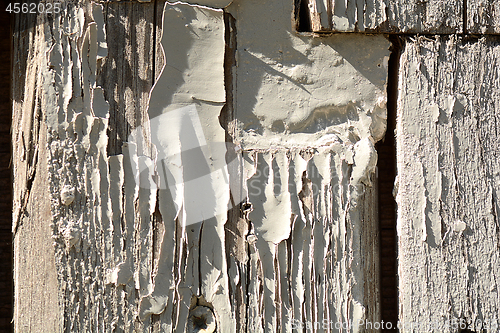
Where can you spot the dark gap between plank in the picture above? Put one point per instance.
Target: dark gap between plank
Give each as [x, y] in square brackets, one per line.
[386, 150]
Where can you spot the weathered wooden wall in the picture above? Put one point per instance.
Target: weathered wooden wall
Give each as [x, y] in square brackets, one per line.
[407, 16]
[120, 252]
[108, 87]
[428, 17]
[34, 261]
[448, 183]
[483, 17]
[447, 152]
[307, 98]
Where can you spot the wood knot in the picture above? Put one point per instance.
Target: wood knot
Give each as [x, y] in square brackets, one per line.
[201, 320]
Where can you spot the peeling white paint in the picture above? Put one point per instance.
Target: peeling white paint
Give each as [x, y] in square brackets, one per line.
[448, 235]
[188, 97]
[144, 236]
[293, 90]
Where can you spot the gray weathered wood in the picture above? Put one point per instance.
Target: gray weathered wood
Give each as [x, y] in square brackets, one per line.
[434, 16]
[408, 16]
[483, 17]
[448, 183]
[113, 251]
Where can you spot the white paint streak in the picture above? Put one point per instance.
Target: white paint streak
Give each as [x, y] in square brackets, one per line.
[188, 98]
[144, 235]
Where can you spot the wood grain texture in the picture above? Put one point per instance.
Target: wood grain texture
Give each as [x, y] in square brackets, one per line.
[483, 17]
[434, 16]
[35, 273]
[128, 71]
[112, 250]
[448, 173]
[430, 17]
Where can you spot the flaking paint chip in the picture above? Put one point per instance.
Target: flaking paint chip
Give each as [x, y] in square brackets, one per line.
[67, 195]
[459, 226]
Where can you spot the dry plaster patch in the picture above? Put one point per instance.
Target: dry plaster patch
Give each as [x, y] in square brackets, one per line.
[293, 90]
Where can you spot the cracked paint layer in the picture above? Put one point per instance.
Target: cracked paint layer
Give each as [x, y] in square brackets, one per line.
[307, 112]
[448, 182]
[311, 225]
[78, 165]
[106, 209]
[100, 220]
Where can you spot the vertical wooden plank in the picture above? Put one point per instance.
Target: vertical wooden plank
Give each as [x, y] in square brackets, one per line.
[67, 217]
[192, 268]
[6, 278]
[448, 184]
[483, 17]
[35, 275]
[313, 237]
[430, 17]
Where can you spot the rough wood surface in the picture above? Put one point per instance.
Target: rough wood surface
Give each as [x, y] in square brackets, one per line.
[118, 246]
[128, 71]
[448, 174]
[434, 16]
[34, 258]
[483, 17]
[59, 121]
